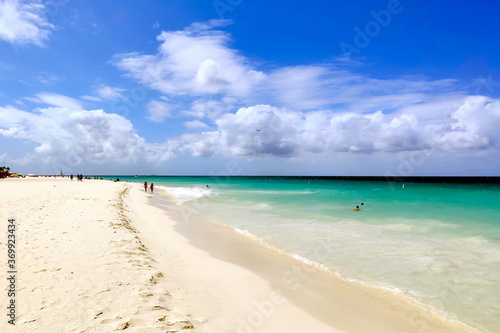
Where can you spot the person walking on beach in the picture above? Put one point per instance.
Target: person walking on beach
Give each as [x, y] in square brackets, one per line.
[145, 186]
[152, 187]
[71, 177]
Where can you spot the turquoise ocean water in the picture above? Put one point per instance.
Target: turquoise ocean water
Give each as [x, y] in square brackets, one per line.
[436, 243]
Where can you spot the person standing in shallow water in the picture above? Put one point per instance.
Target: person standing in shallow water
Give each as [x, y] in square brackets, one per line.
[145, 186]
[152, 187]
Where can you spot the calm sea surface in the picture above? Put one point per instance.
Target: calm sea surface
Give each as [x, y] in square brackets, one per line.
[437, 243]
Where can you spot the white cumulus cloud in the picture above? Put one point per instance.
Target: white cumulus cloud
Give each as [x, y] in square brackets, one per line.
[210, 108]
[265, 130]
[196, 60]
[67, 138]
[23, 22]
[158, 111]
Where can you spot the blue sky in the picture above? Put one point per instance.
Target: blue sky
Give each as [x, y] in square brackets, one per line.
[391, 88]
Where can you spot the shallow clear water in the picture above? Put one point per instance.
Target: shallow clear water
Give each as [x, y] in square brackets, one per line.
[436, 243]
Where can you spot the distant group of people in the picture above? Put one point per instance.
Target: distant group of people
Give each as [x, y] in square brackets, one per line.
[357, 209]
[78, 177]
[151, 187]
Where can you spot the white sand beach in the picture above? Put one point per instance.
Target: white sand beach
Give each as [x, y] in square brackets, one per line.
[101, 256]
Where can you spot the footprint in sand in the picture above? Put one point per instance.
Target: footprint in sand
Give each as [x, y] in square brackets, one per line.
[155, 278]
[181, 324]
[159, 307]
[104, 291]
[98, 314]
[120, 323]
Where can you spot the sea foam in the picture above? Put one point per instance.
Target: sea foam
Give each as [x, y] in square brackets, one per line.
[183, 194]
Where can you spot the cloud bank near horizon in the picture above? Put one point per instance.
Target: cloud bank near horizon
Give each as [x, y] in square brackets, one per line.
[72, 137]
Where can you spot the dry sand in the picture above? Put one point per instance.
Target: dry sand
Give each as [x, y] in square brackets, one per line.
[98, 256]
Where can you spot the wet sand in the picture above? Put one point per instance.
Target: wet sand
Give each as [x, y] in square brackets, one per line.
[316, 296]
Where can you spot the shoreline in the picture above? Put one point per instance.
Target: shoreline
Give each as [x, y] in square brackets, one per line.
[308, 265]
[136, 261]
[190, 223]
[232, 298]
